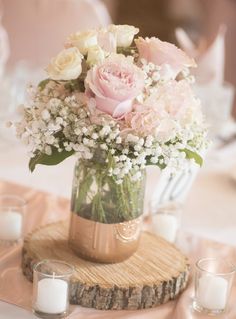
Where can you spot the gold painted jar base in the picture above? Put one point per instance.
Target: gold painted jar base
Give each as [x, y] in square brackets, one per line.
[104, 243]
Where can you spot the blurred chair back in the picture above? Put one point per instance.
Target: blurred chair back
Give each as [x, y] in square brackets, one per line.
[37, 29]
[163, 186]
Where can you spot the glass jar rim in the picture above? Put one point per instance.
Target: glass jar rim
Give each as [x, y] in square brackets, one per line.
[229, 264]
[70, 271]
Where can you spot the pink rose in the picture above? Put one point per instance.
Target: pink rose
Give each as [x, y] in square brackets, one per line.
[114, 84]
[96, 116]
[142, 121]
[162, 53]
[175, 100]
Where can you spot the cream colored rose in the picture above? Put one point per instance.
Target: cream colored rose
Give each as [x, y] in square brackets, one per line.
[83, 40]
[166, 130]
[95, 55]
[124, 34]
[66, 65]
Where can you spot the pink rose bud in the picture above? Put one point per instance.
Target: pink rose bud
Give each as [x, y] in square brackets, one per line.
[162, 53]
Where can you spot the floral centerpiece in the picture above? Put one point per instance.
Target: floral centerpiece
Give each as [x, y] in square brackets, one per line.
[119, 104]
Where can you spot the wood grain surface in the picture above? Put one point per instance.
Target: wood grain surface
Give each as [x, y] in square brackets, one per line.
[156, 273]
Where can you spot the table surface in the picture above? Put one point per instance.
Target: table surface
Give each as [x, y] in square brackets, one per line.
[209, 210]
[43, 208]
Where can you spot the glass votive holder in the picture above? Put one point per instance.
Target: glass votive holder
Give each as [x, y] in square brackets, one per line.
[166, 220]
[51, 288]
[213, 282]
[12, 209]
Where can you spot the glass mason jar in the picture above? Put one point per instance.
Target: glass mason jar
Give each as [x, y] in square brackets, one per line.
[106, 217]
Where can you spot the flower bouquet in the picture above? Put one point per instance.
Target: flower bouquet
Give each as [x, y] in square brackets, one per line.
[118, 104]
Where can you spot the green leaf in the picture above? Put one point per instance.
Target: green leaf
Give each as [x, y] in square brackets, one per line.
[127, 51]
[53, 159]
[43, 84]
[192, 155]
[75, 85]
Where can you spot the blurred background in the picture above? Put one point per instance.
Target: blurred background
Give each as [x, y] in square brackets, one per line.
[37, 28]
[33, 31]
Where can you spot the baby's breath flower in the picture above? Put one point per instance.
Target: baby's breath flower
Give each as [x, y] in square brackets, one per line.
[63, 119]
[123, 157]
[125, 151]
[118, 140]
[84, 130]
[48, 150]
[95, 136]
[104, 147]
[45, 114]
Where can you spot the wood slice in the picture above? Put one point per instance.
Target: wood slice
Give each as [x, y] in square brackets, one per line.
[156, 273]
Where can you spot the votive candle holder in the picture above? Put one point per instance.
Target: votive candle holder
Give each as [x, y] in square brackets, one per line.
[12, 210]
[213, 283]
[51, 289]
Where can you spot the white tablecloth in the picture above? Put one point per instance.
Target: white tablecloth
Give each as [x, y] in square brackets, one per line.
[209, 211]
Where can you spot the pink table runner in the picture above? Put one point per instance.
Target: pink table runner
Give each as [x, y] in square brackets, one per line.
[44, 208]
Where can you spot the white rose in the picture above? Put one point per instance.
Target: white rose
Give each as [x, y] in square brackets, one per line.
[167, 130]
[67, 65]
[124, 34]
[106, 40]
[83, 40]
[95, 55]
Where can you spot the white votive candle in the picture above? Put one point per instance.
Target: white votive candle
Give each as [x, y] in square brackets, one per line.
[166, 226]
[212, 292]
[10, 225]
[52, 296]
